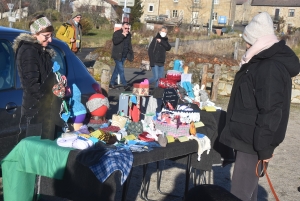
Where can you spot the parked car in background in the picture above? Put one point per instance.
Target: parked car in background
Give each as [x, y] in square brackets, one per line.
[11, 90]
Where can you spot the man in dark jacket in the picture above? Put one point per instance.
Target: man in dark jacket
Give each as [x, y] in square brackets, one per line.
[157, 54]
[122, 50]
[258, 110]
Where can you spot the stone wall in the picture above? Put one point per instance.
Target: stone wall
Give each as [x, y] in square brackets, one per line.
[227, 78]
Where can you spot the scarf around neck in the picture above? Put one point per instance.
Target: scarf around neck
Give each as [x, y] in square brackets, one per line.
[261, 44]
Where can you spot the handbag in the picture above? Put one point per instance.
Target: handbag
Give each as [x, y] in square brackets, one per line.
[119, 121]
[166, 83]
[135, 128]
[140, 89]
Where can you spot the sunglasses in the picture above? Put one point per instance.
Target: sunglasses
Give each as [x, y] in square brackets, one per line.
[126, 28]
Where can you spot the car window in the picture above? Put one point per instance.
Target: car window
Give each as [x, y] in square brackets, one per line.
[59, 58]
[6, 65]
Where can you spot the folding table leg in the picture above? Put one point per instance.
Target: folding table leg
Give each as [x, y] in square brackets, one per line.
[145, 185]
[187, 175]
[159, 174]
[125, 186]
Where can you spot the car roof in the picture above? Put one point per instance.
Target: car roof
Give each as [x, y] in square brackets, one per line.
[11, 30]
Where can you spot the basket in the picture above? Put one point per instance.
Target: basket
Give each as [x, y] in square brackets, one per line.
[140, 89]
[171, 129]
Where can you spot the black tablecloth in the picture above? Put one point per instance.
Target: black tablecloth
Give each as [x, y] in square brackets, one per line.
[219, 154]
[80, 184]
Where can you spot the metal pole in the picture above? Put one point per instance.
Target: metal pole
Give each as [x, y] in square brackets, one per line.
[10, 14]
[211, 17]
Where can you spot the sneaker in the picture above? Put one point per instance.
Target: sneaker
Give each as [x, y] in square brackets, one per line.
[111, 86]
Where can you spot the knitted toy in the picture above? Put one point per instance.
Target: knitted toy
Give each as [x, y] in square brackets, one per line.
[77, 109]
[97, 105]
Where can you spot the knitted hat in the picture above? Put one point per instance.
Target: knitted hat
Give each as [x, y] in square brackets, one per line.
[75, 14]
[260, 25]
[39, 24]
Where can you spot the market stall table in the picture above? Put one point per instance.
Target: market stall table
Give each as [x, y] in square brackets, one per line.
[79, 183]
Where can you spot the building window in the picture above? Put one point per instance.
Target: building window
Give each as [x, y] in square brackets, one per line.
[215, 16]
[175, 13]
[151, 8]
[291, 12]
[196, 1]
[216, 1]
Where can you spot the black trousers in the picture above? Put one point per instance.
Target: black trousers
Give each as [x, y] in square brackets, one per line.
[244, 184]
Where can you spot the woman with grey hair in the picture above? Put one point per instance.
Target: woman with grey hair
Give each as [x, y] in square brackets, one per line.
[157, 54]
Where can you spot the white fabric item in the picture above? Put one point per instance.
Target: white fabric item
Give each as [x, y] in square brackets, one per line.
[67, 135]
[203, 145]
[66, 141]
[151, 109]
[82, 143]
[74, 142]
[186, 78]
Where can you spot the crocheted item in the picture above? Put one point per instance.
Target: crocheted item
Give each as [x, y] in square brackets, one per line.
[203, 144]
[39, 24]
[95, 103]
[185, 116]
[146, 137]
[174, 130]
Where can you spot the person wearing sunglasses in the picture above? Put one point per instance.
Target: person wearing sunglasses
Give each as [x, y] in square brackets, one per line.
[40, 107]
[71, 32]
[258, 109]
[122, 50]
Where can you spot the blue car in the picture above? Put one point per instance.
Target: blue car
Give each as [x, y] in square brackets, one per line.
[11, 91]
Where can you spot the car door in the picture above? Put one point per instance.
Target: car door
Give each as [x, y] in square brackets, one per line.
[10, 99]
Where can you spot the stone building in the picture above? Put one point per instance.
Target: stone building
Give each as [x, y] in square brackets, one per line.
[289, 10]
[197, 12]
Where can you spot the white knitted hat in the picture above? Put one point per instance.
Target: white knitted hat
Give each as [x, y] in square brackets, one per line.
[260, 25]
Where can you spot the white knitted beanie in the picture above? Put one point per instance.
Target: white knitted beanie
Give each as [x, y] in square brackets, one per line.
[260, 25]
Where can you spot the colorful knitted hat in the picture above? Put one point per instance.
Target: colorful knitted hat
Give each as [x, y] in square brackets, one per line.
[39, 24]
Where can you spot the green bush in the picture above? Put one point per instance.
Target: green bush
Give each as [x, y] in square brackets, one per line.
[136, 26]
[87, 25]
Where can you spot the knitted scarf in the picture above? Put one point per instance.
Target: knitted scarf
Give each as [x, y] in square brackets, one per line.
[261, 44]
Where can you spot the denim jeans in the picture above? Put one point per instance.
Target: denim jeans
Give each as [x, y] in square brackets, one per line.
[119, 69]
[158, 72]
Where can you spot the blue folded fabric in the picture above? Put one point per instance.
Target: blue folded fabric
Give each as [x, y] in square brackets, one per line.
[118, 159]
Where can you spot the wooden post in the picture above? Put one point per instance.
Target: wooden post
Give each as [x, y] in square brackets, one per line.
[204, 75]
[217, 74]
[176, 45]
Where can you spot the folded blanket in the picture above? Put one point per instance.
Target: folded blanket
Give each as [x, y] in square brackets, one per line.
[118, 159]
